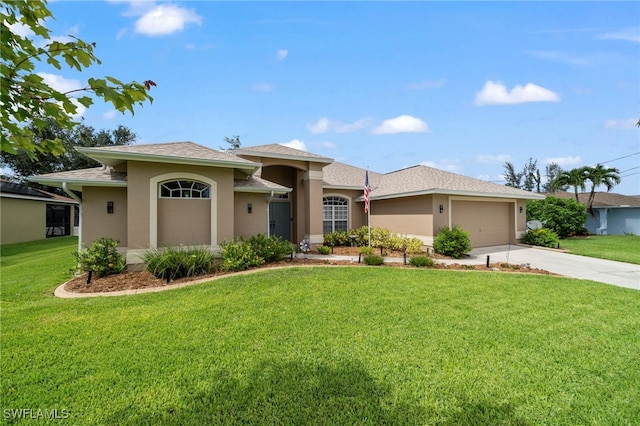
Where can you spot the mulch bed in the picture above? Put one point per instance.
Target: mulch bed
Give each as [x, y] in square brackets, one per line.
[136, 280]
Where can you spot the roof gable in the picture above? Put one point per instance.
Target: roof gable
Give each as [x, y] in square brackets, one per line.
[275, 150]
[172, 152]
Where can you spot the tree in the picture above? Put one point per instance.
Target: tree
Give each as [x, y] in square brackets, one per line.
[513, 179]
[233, 142]
[600, 175]
[563, 216]
[24, 165]
[25, 97]
[574, 177]
[531, 176]
[552, 171]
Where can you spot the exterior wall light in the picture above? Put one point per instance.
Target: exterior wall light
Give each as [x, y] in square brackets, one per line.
[441, 208]
[521, 209]
[110, 207]
[249, 208]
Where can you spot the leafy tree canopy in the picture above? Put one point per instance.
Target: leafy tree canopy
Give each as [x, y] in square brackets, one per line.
[530, 178]
[26, 98]
[23, 164]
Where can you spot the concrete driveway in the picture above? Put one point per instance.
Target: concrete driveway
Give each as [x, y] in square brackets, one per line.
[605, 271]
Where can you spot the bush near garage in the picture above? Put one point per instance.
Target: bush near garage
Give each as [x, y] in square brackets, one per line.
[452, 242]
[564, 216]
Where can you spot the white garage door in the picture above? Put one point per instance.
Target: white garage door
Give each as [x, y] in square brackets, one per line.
[487, 222]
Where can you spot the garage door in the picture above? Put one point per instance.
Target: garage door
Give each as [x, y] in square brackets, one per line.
[487, 222]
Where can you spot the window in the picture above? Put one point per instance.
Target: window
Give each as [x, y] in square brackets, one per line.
[184, 189]
[335, 214]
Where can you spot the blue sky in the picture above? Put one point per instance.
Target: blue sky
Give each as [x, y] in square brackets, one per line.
[461, 86]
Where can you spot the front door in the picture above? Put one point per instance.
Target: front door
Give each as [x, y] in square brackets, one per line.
[280, 219]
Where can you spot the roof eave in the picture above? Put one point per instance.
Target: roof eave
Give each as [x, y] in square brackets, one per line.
[78, 182]
[113, 158]
[531, 196]
[253, 153]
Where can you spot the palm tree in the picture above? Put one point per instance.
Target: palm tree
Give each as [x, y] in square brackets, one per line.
[575, 177]
[600, 175]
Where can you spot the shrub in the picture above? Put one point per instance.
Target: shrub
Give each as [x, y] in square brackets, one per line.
[270, 249]
[373, 260]
[324, 249]
[421, 261]
[337, 238]
[542, 237]
[366, 251]
[102, 258]
[238, 255]
[566, 217]
[452, 242]
[179, 262]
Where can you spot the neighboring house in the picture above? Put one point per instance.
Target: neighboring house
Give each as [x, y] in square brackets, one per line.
[615, 214]
[184, 193]
[28, 214]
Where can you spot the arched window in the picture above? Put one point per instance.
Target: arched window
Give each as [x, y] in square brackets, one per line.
[335, 214]
[184, 189]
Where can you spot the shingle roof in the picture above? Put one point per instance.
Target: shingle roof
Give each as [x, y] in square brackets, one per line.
[98, 175]
[341, 175]
[280, 151]
[257, 184]
[174, 152]
[425, 180]
[602, 199]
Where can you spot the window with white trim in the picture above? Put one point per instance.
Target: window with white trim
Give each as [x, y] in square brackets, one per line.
[335, 214]
[184, 189]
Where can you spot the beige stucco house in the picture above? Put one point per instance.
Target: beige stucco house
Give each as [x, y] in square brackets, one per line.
[184, 193]
[29, 214]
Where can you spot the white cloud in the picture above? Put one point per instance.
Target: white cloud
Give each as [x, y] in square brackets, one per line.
[626, 34]
[426, 84]
[109, 115]
[327, 145]
[495, 93]
[493, 159]
[563, 161]
[20, 29]
[282, 54]
[557, 56]
[402, 124]
[263, 87]
[625, 124]
[64, 85]
[447, 165]
[166, 19]
[324, 125]
[295, 144]
[61, 84]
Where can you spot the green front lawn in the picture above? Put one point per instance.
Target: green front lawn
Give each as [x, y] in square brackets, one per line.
[334, 345]
[623, 248]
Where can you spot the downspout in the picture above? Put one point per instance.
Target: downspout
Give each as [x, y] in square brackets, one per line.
[76, 198]
[269, 198]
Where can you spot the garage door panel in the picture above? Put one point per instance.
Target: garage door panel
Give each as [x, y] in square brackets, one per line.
[486, 222]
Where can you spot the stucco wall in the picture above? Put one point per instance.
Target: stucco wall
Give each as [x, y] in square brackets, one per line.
[408, 215]
[247, 224]
[619, 221]
[183, 221]
[96, 222]
[22, 220]
[139, 175]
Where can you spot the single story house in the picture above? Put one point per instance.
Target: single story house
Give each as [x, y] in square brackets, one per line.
[615, 214]
[29, 214]
[184, 193]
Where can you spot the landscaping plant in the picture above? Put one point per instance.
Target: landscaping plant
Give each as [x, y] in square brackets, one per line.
[421, 261]
[373, 260]
[566, 217]
[452, 242]
[541, 237]
[102, 258]
[324, 249]
[179, 262]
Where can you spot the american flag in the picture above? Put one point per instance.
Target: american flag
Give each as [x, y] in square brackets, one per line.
[367, 189]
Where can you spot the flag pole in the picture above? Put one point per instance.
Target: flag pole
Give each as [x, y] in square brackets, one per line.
[369, 209]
